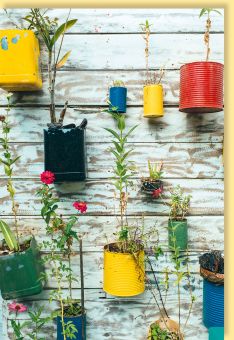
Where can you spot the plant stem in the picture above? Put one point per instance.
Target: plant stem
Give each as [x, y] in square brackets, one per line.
[82, 286]
[156, 281]
[70, 278]
[9, 181]
[207, 36]
[51, 89]
[60, 299]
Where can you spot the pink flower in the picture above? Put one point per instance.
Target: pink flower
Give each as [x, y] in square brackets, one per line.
[47, 177]
[157, 192]
[17, 307]
[81, 206]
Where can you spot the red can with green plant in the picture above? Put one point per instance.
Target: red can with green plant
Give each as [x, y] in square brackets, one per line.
[201, 82]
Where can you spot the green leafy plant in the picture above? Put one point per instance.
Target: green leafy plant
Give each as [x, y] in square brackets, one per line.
[8, 161]
[61, 236]
[118, 83]
[179, 204]
[48, 30]
[123, 172]
[36, 322]
[150, 78]
[155, 170]
[207, 11]
[162, 334]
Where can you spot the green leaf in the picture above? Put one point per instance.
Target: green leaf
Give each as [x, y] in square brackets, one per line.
[117, 146]
[129, 132]
[63, 60]
[9, 236]
[61, 30]
[203, 11]
[114, 133]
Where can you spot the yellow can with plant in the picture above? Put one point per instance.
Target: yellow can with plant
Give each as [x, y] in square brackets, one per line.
[153, 89]
[124, 273]
[19, 60]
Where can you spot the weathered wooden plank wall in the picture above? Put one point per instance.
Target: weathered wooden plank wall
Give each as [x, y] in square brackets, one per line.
[107, 45]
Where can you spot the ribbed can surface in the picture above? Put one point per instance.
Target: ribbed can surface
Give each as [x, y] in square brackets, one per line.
[213, 304]
[124, 273]
[201, 87]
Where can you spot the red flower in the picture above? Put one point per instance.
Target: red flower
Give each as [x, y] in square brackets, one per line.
[157, 192]
[17, 307]
[47, 177]
[81, 206]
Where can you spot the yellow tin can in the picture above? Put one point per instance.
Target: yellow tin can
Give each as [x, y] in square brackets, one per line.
[19, 61]
[153, 101]
[124, 273]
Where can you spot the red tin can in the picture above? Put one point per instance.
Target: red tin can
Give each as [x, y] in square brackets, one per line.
[201, 87]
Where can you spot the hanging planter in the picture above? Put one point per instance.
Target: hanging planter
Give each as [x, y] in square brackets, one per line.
[153, 184]
[19, 61]
[201, 83]
[216, 333]
[178, 234]
[153, 89]
[78, 321]
[212, 271]
[118, 97]
[65, 152]
[153, 101]
[124, 273]
[177, 223]
[20, 272]
[201, 87]
[164, 328]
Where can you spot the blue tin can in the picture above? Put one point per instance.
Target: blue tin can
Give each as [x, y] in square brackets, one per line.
[118, 98]
[77, 321]
[213, 304]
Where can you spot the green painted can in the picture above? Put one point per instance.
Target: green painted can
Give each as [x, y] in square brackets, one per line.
[20, 273]
[216, 333]
[179, 230]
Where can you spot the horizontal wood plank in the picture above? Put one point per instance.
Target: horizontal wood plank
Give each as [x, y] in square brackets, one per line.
[90, 88]
[96, 230]
[207, 197]
[28, 124]
[190, 160]
[99, 21]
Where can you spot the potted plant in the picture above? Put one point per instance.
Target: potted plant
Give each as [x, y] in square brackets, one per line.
[177, 223]
[212, 271]
[153, 89]
[19, 257]
[64, 145]
[153, 184]
[118, 96]
[124, 259]
[71, 315]
[201, 82]
[180, 273]
[19, 60]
